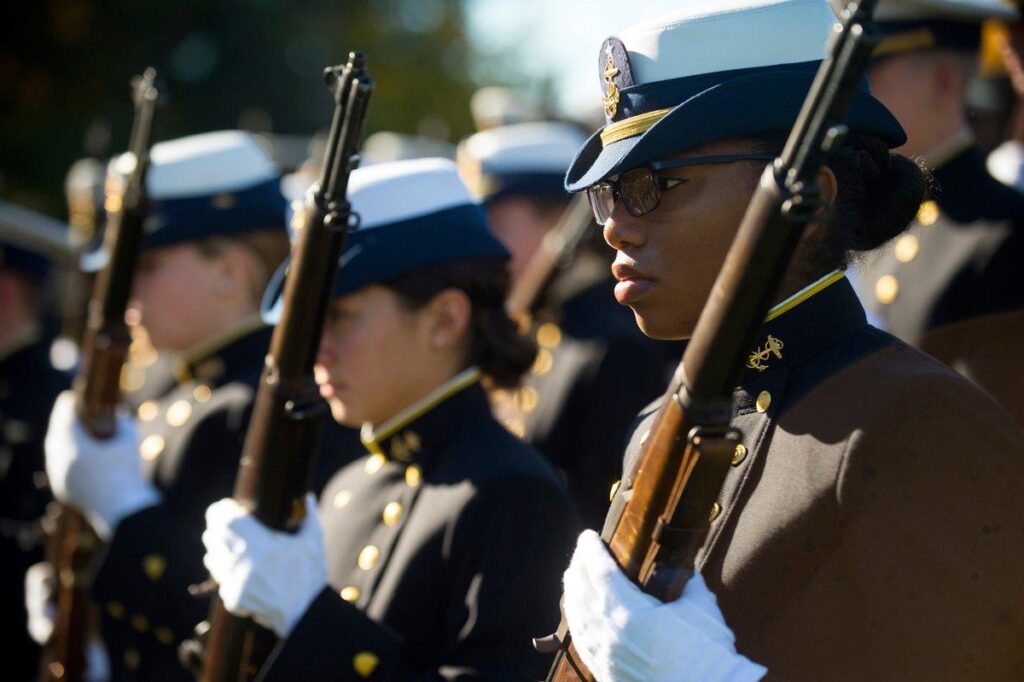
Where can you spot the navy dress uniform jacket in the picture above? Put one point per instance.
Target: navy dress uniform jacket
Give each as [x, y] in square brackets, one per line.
[951, 284]
[29, 385]
[872, 526]
[445, 549]
[191, 439]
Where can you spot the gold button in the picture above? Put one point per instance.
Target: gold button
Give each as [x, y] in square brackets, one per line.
[887, 288]
[739, 455]
[152, 447]
[202, 393]
[549, 335]
[906, 248]
[133, 377]
[179, 413]
[342, 498]
[516, 426]
[413, 475]
[148, 411]
[528, 399]
[544, 362]
[132, 658]
[392, 514]
[350, 594]
[716, 510]
[116, 610]
[140, 622]
[763, 402]
[365, 663]
[368, 557]
[615, 489]
[165, 636]
[928, 213]
[374, 463]
[154, 566]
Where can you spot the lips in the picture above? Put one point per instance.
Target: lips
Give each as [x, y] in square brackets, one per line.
[633, 283]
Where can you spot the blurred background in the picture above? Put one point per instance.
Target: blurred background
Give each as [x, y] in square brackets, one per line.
[65, 66]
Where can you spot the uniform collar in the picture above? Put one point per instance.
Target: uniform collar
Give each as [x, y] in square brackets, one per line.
[225, 355]
[422, 427]
[803, 325]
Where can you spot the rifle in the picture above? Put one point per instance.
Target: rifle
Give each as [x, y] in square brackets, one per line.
[657, 532]
[278, 451]
[97, 388]
[558, 247]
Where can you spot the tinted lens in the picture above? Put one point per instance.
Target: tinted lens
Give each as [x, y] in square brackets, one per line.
[602, 201]
[638, 189]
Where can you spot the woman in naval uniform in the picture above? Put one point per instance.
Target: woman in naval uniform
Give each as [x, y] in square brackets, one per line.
[438, 554]
[867, 530]
[215, 235]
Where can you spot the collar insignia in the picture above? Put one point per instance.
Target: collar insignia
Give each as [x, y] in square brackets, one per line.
[758, 358]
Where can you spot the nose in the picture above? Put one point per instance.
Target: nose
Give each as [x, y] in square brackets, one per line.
[325, 353]
[623, 229]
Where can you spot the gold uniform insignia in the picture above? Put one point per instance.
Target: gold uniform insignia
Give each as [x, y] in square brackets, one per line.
[772, 346]
[611, 98]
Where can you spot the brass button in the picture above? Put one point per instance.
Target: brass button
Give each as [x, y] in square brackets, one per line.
[887, 288]
[739, 455]
[179, 413]
[516, 427]
[152, 447]
[549, 335]
[342, 498]
[763, 402]
[350, 594]
[374, 463]
[165, 636]
[544, 362]
[907, 248]
[132, 659]
[140, 622]
[365, 663]
[392, 514]
[928, 213]
[202, 393]
[154, 566]
[528, 398]
[368, 557]
[615, 489]
[148, 411]
[116, 610]
[413, 475]
[716, 511]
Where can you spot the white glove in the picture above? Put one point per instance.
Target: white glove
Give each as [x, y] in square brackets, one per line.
[270, 575]
[623, 634]
[39, 602]
[102, 478]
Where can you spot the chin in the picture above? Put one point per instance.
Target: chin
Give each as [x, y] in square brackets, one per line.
[342, 414]
[663, 328]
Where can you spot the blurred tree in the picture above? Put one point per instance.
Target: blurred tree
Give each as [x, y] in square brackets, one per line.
[65, 67]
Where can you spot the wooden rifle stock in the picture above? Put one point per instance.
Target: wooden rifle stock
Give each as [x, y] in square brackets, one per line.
[683, 464]
[97, 387]
[277, 454]
[558, 246]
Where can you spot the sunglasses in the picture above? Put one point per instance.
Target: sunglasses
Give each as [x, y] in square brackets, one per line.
[640, 188]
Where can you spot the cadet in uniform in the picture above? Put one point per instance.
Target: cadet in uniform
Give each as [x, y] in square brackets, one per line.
[595, 370]
[29, 244]
[436, 555]
[950, 285]
[863, 532]
[215, 235]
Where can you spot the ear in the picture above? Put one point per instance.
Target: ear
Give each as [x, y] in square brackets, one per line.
[948, 79]
[829, 187]
[233, 265]
[447, 317]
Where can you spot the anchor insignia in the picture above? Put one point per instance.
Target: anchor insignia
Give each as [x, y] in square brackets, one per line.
[611, 98]
[772, 346]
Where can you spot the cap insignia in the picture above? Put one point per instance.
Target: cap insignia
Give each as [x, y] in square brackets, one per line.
[611, 97]
[615, 72]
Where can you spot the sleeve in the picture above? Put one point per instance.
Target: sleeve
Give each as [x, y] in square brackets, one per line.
[933, 520]
[506, 553]
[157, 553]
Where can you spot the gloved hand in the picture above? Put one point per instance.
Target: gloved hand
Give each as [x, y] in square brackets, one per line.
[270, 575]
[102, 478]
[42, 613]
[39, 602]
[623, 634]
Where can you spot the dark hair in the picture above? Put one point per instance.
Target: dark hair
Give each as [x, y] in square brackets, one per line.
[496, 346]
[879, 194]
